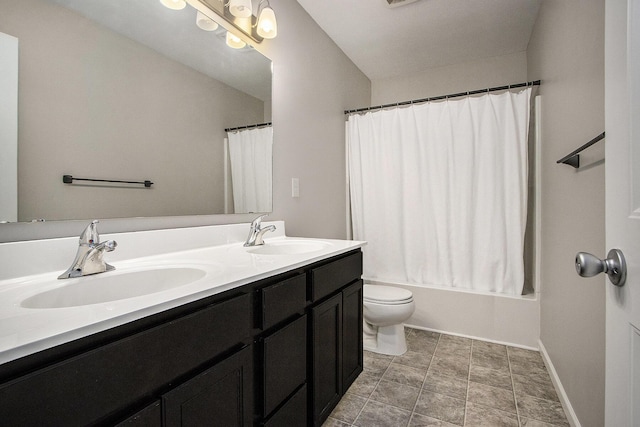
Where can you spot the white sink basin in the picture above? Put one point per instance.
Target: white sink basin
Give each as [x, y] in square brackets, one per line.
[113, 286]
[289, 247]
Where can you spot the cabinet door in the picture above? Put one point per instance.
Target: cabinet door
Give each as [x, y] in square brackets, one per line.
[220, 396]
[285, 363]
[327, 357]
[351, 334]
[151, 416]
[291, 414]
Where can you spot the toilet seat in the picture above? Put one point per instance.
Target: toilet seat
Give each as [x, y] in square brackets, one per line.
[388, 295]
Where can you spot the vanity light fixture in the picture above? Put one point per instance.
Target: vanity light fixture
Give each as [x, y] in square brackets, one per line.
[267, 25]
[226, 13]
[205, 23]
[240, 8]
[234, 41]
[174, 4]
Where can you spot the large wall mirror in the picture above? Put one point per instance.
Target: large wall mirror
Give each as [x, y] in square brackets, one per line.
[133, 91]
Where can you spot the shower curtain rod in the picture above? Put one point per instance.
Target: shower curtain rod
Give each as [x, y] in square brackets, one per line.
[453, 95]
[248, 127]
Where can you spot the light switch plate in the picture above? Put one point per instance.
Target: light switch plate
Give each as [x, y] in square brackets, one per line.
[295, 187]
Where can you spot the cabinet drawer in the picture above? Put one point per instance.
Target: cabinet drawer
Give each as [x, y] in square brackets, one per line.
[293, 413]
[100, 383]
[331, 277]
[285, 363]
[282, 300]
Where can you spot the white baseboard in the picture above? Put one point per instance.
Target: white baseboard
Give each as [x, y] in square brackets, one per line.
[470, 336]
[562, 395]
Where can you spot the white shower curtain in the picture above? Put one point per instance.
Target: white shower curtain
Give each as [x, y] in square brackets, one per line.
[250, 154]
[439, 190]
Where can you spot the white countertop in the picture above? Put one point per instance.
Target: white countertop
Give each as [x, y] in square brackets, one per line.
[24, 331]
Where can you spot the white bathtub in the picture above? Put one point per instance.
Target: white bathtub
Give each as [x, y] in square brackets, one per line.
[511, 320]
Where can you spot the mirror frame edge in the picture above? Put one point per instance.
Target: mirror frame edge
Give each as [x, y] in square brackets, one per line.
[26, 231]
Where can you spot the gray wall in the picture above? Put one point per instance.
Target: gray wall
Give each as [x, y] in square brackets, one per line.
[93, 103]
[313, 83]
[566, 52]
[480, 74]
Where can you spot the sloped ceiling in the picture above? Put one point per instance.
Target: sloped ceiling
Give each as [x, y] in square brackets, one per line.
[389, 42]
[175, 35]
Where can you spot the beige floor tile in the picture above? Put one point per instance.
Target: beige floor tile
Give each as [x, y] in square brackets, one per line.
[450, 386]
[482, 416]
[399, 395]
[492, 377]
[445, 381]
[414, 359]
[364, 385]
[547, 411]
[450, 366]
[403, 374]
[348, 409]
[376, 414]
[441, 407]
[418, 420]
[493, 397]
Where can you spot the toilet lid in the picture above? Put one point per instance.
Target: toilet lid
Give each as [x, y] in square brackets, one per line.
[386, 294]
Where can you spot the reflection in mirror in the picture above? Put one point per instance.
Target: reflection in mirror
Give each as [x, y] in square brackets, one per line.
[250, 160]
[127, 90]
[8, 128]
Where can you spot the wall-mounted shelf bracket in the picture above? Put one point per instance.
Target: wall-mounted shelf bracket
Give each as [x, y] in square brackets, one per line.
[573, 158]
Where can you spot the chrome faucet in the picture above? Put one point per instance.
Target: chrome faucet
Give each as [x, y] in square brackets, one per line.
[256, 232]
[89, 256]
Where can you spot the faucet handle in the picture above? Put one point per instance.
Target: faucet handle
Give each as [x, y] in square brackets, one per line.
[110, 245]
[90, 234]
[256, 222]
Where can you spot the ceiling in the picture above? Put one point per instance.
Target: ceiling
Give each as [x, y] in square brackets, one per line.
[389, 42]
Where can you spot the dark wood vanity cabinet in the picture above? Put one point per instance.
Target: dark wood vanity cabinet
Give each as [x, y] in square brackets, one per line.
[151, 416]
[327, 357]
[352, 363]
[278, 352]
[284, 363]
[336, 349]
[98, 384]
[336, 338]
[221, 395]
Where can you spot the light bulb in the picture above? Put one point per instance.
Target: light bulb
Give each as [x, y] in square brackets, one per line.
[174, 4]
[267, 25]
[234, 41]
[240, 8]
[205, 23]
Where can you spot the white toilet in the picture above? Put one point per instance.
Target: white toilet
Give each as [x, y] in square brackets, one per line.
[385, 310]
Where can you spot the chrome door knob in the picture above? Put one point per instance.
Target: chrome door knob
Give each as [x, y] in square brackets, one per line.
[614, 265]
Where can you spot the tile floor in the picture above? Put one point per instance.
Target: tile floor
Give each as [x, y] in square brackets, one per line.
[445, 380]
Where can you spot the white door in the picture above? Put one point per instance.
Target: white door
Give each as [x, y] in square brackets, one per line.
[622, 154]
